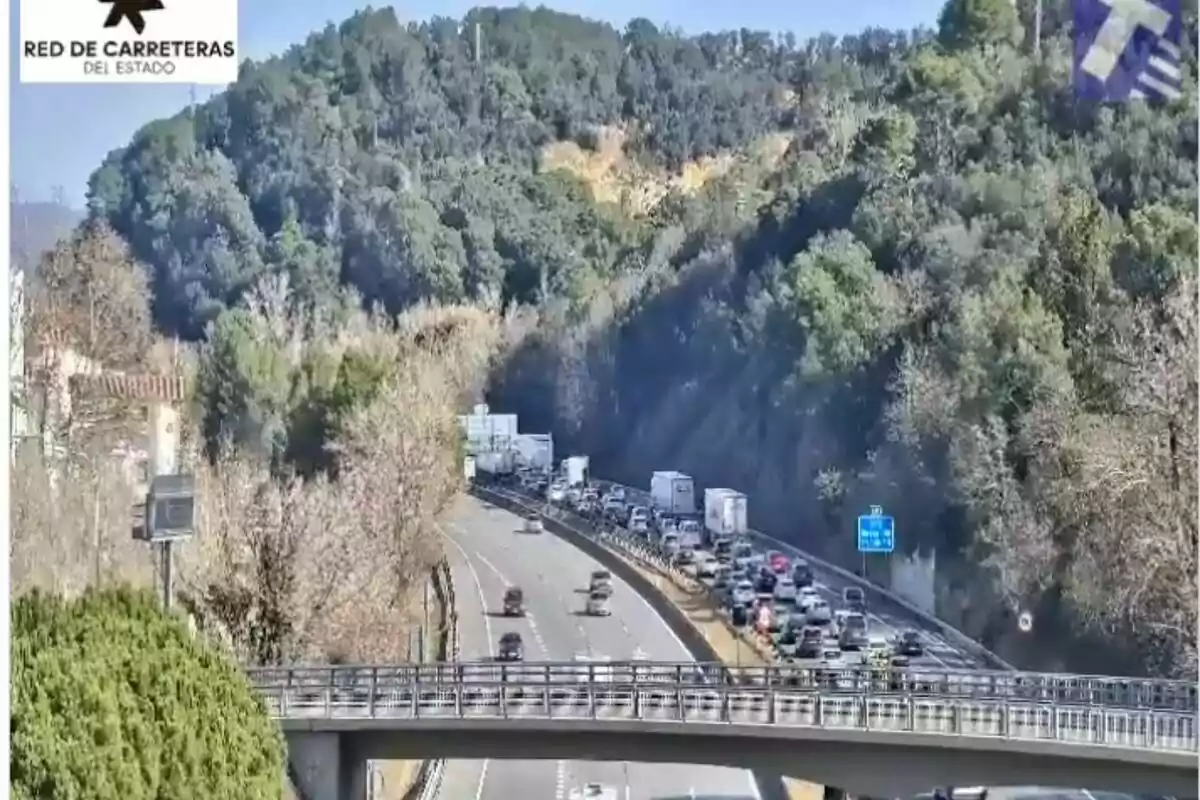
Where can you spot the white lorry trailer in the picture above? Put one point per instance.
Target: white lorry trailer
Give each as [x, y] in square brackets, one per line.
[486, 431]
[673, 493]
[495, 463]
[536, 451]
[575, 470]
[724, 513]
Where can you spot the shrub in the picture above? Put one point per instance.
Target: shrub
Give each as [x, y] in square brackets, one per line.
[114, 700]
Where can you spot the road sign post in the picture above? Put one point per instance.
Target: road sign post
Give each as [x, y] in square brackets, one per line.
[169, 516]
[876, 534]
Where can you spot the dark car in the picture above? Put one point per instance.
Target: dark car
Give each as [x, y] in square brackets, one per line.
[854, 599]
[852, 639]
[765, 583]
[909, 644]
[511, 648]
[811, 643]
[802, 574]
[514, 602]
[739, 615]
[788, 642]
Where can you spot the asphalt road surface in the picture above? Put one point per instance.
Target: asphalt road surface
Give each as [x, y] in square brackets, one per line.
[488, 553]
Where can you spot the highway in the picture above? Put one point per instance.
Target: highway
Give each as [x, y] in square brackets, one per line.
[489, 552]
[887, 619]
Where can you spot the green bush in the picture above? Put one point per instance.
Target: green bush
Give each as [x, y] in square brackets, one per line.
[113, 699]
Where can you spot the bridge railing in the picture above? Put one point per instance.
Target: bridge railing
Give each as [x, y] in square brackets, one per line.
[576, 692]
[943, 684]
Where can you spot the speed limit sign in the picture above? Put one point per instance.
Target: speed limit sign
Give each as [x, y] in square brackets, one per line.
[1025, 622]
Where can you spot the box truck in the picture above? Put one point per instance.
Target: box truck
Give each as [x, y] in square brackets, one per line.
[536, 451]
[496, 463]
[575, 470]
[673, 493]
[486, 431]
[724, 513]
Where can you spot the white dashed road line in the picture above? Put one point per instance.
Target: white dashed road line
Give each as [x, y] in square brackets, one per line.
[560, 780]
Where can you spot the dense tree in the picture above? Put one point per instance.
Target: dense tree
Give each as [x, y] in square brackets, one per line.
[113, 699]
[899, 268]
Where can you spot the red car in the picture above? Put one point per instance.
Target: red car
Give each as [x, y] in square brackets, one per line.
[780, 564]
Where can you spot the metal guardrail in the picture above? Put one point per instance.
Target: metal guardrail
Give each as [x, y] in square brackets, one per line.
[572, 692]
[943, 684]
[1115, 691]
[429, 782]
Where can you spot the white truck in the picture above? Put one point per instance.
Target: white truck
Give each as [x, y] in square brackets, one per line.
[487, 431]
[673, 493]
[536, 451]
[495, 463]
[724, 513]
[575, 469]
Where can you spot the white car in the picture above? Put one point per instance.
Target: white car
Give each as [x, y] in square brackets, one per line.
[597, 604]
[743, 593]
[806, 597]
[616, 493]
[689, 533]
[669, 543]
[557, 492]
[706, 566]
[818, 613]
[638, 525]
[785, 590]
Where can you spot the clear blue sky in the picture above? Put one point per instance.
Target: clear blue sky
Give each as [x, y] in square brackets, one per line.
[61, 133]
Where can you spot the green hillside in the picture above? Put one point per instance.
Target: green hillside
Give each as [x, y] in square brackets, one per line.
[906, 269]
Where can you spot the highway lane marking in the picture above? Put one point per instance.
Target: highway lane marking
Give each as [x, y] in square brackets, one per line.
[482, 778]
[487, 621]
[529, 618]
[560, 780]
[487, 627]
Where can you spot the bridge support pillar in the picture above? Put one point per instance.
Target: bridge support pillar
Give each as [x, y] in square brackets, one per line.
[322, 769]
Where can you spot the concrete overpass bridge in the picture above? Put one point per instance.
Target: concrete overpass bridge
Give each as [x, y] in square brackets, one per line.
[870, 732]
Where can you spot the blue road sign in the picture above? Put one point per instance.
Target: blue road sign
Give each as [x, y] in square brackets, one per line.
[876, 532]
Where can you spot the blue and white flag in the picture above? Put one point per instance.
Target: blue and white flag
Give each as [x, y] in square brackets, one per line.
[1128, 49]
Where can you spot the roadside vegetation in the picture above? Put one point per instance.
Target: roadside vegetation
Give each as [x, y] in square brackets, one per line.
[113, 700]
[905, 269]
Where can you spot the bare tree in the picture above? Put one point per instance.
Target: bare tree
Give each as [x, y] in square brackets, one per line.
[1129, 489]
[89, 296]
[71, 525]
[288, 569]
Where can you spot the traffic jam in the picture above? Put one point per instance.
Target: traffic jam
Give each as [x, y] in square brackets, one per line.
[805, 623]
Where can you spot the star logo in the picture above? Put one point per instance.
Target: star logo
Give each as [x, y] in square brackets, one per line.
[130, 10]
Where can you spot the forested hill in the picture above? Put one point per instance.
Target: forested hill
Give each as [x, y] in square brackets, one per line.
[899, 269]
